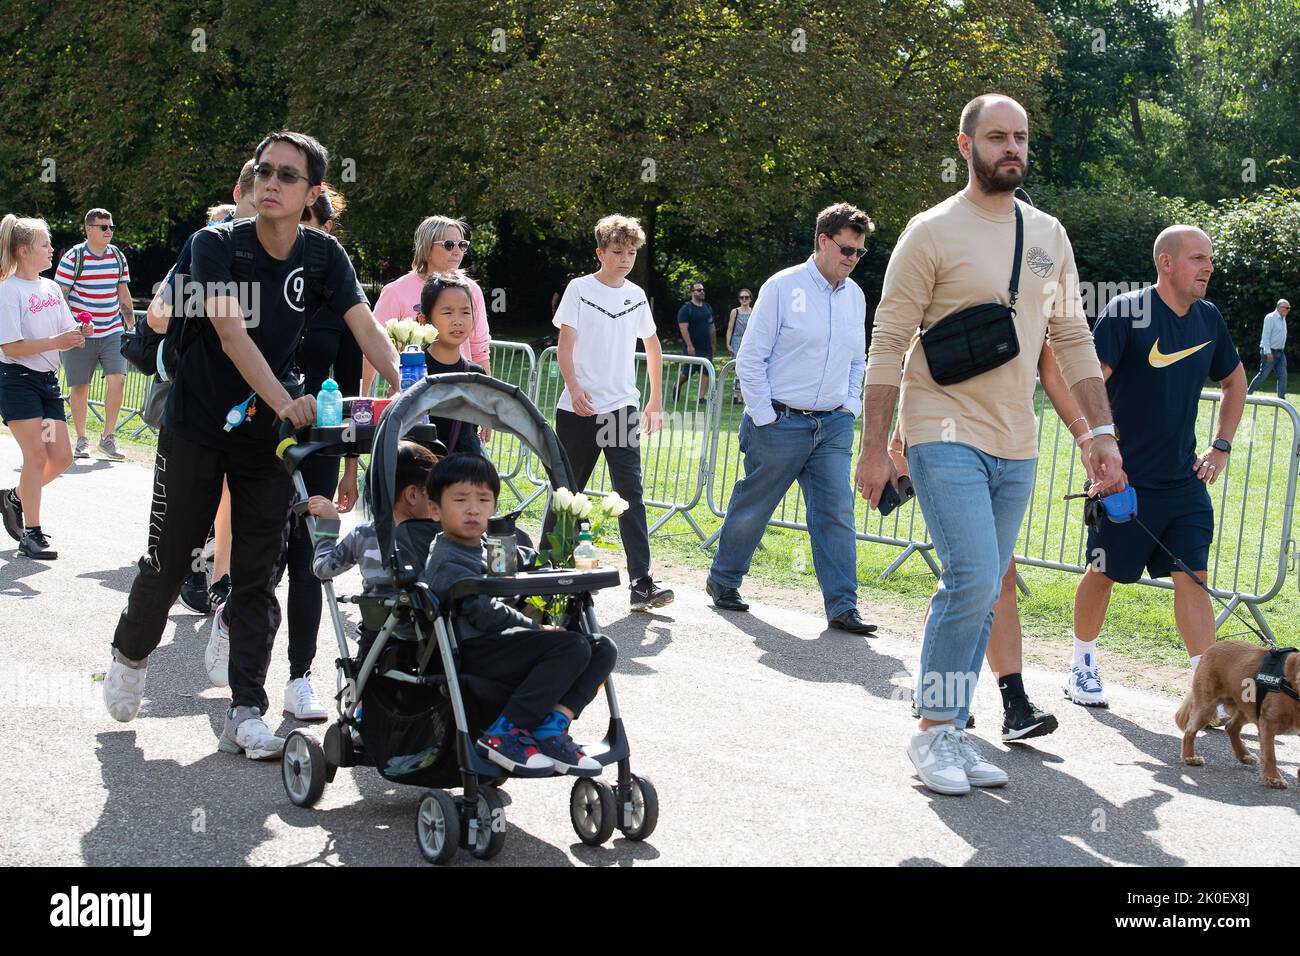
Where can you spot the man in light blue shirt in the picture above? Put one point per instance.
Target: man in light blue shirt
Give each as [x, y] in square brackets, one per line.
[1272, 349]
[800, 367]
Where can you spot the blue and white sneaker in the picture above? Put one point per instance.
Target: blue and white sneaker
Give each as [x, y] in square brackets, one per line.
[517, 751]
[1083, 687]
[568, 756]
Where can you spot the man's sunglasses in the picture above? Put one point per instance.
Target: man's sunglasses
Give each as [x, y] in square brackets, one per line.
[100, 225]
[856, 251]
[450, 244]
[288, 175]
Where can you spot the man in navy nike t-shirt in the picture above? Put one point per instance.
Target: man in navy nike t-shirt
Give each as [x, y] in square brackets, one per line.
[1157, 347]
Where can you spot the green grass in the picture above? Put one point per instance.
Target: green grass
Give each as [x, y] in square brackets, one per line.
[1140, 622]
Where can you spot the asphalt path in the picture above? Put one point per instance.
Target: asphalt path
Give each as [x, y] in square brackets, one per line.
[770, 739]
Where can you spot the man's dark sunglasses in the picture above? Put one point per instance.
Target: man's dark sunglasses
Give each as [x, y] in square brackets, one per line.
[107, 227]
[288, 175]
[849, 250]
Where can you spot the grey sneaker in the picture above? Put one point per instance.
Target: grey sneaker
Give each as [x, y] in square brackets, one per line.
[979, 771]
[939, 763]
[83, 448]
[108, 448]
[245, 732]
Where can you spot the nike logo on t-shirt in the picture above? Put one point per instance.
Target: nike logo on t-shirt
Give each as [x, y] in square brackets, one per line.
[1159, 360]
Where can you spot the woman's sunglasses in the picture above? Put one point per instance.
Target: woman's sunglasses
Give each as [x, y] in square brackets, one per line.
[450, 244]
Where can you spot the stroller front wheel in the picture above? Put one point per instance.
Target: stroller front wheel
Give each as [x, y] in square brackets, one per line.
[593, 811]
[644, 816]
[490, 838]
[302, 767]
[437, 826]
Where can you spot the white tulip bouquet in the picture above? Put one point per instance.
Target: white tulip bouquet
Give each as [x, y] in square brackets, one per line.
[570, 509]
[404, 332]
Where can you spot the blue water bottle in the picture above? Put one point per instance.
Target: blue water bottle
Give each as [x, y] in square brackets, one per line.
[329, 405]
[412, 366]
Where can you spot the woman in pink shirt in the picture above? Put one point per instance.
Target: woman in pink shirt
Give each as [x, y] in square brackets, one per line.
[440, 246]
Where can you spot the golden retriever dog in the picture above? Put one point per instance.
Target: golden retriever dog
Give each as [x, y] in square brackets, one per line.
[1226, 675]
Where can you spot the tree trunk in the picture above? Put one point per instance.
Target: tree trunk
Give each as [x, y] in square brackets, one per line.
[1136, 115]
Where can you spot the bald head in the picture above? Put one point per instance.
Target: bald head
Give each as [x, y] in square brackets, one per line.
[970, 114]
[1173, 240]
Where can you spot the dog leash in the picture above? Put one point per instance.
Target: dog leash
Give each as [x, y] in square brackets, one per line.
[1131, 515]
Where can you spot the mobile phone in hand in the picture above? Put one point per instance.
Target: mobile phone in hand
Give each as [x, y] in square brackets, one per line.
[895, 495]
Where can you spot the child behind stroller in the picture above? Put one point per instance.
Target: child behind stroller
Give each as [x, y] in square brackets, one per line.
[412, 515]
[555, 673]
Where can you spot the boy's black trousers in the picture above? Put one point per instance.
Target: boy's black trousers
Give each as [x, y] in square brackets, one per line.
[618, 435]
[546, 668]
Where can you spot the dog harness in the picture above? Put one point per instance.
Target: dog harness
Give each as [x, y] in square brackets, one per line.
[1272, 676]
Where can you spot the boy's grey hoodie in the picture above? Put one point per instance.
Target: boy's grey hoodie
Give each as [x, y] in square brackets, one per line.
[450, 562]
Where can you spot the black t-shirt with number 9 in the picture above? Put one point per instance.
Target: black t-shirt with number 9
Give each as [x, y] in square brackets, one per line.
[207, 383]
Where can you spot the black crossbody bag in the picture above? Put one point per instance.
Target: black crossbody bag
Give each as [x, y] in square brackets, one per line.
[978, 339]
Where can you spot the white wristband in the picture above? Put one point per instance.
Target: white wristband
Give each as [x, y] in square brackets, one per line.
[1103, 430]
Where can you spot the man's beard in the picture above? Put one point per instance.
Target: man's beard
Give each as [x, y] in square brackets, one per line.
[993, 179]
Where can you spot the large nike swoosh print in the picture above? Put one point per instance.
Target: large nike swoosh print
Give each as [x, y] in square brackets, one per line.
[1159, 360]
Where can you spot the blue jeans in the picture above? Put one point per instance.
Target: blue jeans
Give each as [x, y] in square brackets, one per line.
[814, 450]
[973, 505]
[1278, 365]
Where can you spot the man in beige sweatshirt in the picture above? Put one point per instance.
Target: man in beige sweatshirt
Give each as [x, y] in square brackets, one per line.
[971, 446]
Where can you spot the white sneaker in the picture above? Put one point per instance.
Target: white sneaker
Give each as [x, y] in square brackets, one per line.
[123, 689]
[1083, 687]
[938, 760]
[979, 771]
[245, 732]
[216, 658]
[301, 702]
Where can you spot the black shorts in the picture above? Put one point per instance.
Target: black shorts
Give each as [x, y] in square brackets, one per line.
[26, 394]
[1182, 519]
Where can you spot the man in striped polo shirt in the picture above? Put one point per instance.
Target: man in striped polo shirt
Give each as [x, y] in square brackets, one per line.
[94, 276]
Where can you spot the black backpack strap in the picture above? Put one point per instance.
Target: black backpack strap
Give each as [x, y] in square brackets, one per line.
[244, 237]
[1020, 249]
[315, 270]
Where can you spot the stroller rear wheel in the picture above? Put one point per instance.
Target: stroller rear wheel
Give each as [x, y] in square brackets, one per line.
[645, 810]
[437, 826]
[593, 810]
[302, 767]
[490, 838]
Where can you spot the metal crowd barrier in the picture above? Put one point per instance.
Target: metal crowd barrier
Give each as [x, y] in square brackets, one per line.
[696, 456]
[674, 460]
[1253, 499]
[903, 528]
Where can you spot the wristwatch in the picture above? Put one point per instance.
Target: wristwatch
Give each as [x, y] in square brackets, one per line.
[1223, 445]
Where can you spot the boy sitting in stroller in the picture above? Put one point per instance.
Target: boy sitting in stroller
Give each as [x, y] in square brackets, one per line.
[555, 673]
[412, 517]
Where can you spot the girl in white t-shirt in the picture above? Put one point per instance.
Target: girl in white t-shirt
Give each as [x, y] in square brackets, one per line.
[35, 326]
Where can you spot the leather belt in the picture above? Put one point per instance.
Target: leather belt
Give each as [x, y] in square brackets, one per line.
[779, 407]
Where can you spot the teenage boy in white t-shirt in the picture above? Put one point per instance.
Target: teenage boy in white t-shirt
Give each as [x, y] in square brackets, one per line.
[600, 318]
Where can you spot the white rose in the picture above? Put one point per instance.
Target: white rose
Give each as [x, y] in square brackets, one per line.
[615, 504]
[581, 505]
[408, 328]
[429, 335]
[563, 499]
[391, 326]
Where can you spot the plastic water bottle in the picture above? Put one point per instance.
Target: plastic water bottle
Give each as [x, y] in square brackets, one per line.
[413, 367]
[329, 405]
[585, 556]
